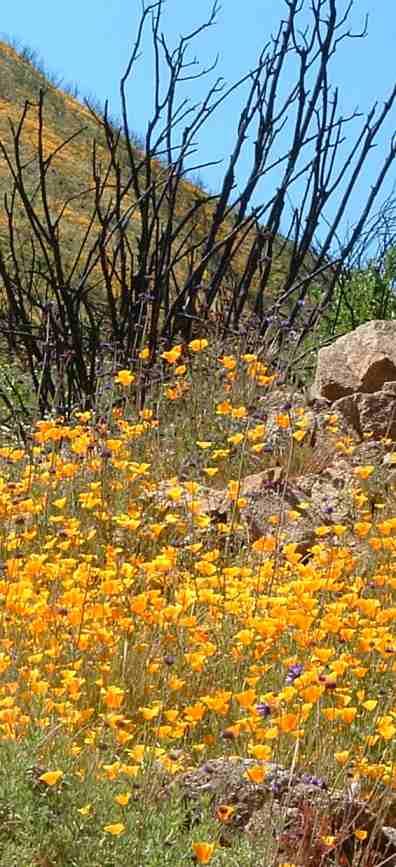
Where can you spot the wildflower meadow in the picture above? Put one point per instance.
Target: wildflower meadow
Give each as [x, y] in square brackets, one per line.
[141, 638]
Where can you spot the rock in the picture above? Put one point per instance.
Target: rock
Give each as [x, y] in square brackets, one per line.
[280, 502]
[280, 399]
[289, 808]
[270, 495]
[373, 413]
[218, 502]
[331, 499]
[347, 407]
[267, 494]
[360, 361]
[377, 413]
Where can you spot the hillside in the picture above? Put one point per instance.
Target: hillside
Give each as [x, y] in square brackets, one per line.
[64, 117]
[69, 177]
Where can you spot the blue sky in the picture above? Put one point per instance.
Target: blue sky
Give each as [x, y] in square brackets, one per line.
[88, 42]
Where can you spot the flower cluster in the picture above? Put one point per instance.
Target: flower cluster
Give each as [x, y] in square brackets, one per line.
[126, 615]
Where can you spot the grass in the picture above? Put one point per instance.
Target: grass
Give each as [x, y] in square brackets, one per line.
[53, 825]
[139, 638]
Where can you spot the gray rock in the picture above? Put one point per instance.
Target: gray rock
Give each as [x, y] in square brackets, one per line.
[377, 413]
[373, 413]
[348, 408]
[362, 360]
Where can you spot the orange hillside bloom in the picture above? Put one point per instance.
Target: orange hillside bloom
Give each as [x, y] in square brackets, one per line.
[51, 778]
[124, 377]
[224, 812]
[113, 697]
[198, 345]
[256, 774]
[115, 830]
[172, 355]
[203, 852]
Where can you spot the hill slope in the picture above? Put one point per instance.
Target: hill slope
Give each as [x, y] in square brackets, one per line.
[69, 178]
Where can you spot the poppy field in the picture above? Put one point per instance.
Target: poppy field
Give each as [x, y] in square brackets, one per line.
[140, 637]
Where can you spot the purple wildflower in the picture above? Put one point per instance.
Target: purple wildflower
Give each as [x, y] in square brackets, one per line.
[294, 672]
[263, 709]
[309, 780]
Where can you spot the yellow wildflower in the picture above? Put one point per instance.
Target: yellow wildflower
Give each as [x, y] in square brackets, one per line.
[51, 778]
[124, 378]
[115, 830]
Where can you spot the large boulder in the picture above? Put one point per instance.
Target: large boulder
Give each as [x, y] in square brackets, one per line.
[361, 361]
[377, 412]
[371, 414]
